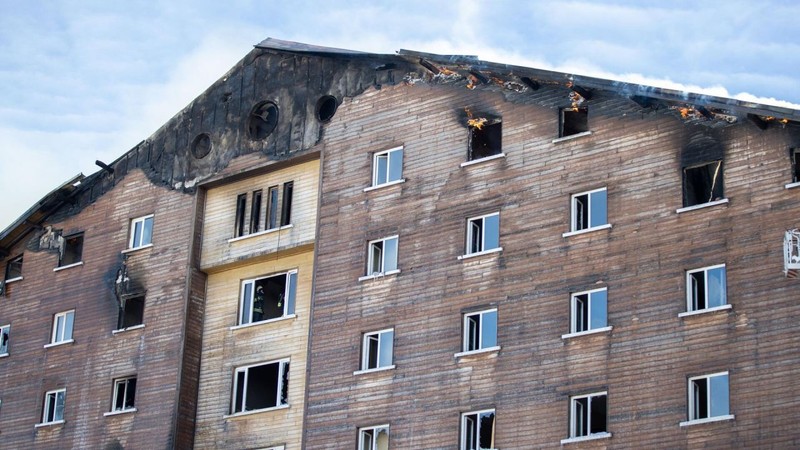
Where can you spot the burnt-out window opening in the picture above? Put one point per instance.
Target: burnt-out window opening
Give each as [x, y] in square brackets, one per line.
[260, 387]
[241, 207]
[131, 312]
[795, 153]
[485, 140]
[573, 121]
[14, 268]
[255, 212]
[326, 108]
[286, 209]
[201, 145]
[272, 207]
[477, 430]
[262, 120]
[702, 183]
[124, 394]
[5, 334]
[268, 297]
[72, 252]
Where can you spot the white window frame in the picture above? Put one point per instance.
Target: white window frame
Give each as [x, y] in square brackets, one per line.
[140, 235]
[377, 179]
[573, 311]
[117, 383]
[370, 258]
[468, 250]
[17, 260]
[289, 300]
[691, 400]
[574, 435]
[55, 338]
[574, 213]
[464, 443]
[365, 353]
[5, 330]
[50, 404]
[374, 430]
[690, 297]
[481, 347]
[281, 368]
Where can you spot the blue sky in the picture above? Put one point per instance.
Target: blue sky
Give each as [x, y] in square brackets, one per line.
[87, 80]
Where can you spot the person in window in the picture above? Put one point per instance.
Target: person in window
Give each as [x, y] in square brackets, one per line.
[258, 305]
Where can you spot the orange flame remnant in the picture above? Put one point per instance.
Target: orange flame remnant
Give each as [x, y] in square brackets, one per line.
[784, 121]
[576, 100]
[472, 81]
[475, 122]
[445, 71]
[685, 112]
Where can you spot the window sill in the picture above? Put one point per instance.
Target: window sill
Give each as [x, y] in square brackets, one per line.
[122, 330]
[481, 160]
[11, 280]
[379, 275]
[390, 183]
[3, 355]
[259, 233]
[586, 333]
[56, 344]
[255, 411]
[706, 310]
[263, 322]
[485, 252]
[793, 185]
[702, 205]
[587, 230]
[590, 437]
[689, 423]
[131, 250]
[49, 424]
[571, 137]
[379, 369]
[494, 349]
[68, 266]
[116, 413]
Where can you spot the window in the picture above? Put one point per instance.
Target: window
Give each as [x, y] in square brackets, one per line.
[483, 233]
[705, 288]
[382, 256]
[286, 209]
[377, 350]
[588, 416]
[278, 210]
[272, 207]
[485, 139]
[124, 394]
[708, 397]
[260, 386]
[14, 269]
[71, 251]
[268, 298]
[702, 183]
[131, 312]
[141, 232]
[573, 121]
[795, 156]
[387, 166]
[588, 311]
[62, 327]
[241, 209]
[373, 438]
[480, 330]
[255, 212]
[53, 410]
[5, 332]
[589, 210]
[477, 430]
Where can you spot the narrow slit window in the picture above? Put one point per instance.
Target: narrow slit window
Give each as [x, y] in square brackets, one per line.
[795, 153]
[272, 208]
[485, 140]
[255, 212]
[286, 209]
[702, 184]
[5, 336]
[573, 121]
[241, 210]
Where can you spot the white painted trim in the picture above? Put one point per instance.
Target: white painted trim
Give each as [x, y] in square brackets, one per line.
[122, 330]
[11, 280]
[379, 275]
[494, 349]
[263, 322]
[584, 333]
[56, 344]
[3, 355]
[702, 205]
[48, 424]
[390, 183]
[572, 136]
[793, 185]
[485, 252]
[587, 230]
[260, 233]
[379, 369]
[68, 266]
[689, 423]
[480, 160]
[116, 413]
[590, 437]
[255, 411]
[131, 250]
[706, 310]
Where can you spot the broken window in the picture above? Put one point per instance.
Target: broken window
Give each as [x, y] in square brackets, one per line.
[589, 210]
[477, 430]
[255, 212]
[795, 154]
[382, 256]
[72, 251]
[241, 208]
[485, 138]
[5, 334]
[483, 233]
[14, 269]
[708, 396]
[373, 438]
[268, 297]
[326, 108]
[260, 386]
[702, 184]
[377, 350]
[131, 313]
[124, 394]
[480, 330]
[387, 167]
[573, 121]
[141, 232]
[705, 288]
[588, 415]
[62, 327]
[588, 310]
[286, 209]
[53, 409]
[262, 120]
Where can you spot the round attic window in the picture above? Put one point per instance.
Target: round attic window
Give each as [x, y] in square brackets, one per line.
[201, 145]
[262, 120]
[326, 108]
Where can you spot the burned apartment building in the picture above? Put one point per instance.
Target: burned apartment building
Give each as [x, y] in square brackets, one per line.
[336, 249]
